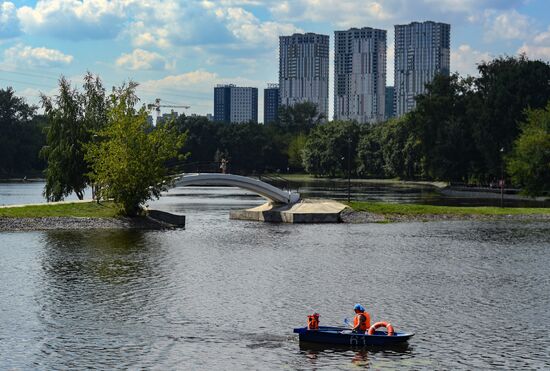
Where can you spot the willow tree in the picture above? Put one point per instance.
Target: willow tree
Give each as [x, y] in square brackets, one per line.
[128, 158]
[72, 116]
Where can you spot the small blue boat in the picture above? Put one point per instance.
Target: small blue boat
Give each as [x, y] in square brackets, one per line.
[344, 336]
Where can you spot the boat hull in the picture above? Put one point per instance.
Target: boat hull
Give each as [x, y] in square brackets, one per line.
[343, 336]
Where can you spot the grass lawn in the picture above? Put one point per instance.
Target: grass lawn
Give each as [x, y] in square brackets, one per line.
[77, 209]
[302, 177]
[413, 209]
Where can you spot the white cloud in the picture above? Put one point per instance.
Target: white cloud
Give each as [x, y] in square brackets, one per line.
[198, 78]
[342, 14]
[74, 19]
[195, 88]
[464, 59]
[9, 24]
[383, 13]
[141, 59]
[507, 25]
[247, 28]
[198, 81]
[536, 51]
[26, 55]
[538, 47]
[220, 24]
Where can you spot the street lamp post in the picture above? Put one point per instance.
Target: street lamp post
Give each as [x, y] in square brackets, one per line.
[349, 168]
[502, 177]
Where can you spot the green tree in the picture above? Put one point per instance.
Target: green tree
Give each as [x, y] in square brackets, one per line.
[300, 117]
[20, 135]
[327, 147]
[442, 125]
[95, 103]
[128, 161]
[400, 149]
[296, 151]
[505, 89]
[529, 162]
[246, 146]
[369, 152]
[66, 170]
[72, 117]
[202, 137]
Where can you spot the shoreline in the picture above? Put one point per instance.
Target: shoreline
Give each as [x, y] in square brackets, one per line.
[80, 215]
[350, 216]
[56, 223]
[92, 215]
[380, 212]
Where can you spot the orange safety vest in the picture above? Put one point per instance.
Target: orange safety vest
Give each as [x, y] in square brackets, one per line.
[313, 322]
[357, 320]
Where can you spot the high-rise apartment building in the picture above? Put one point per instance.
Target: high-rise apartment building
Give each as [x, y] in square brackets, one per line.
[360, 74]
[389, 102]
[422, 50]
[303, 70]
[271, 103]
[235, 104]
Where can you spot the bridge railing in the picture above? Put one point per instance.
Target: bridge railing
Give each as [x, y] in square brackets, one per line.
[179, 167]
[277, 181]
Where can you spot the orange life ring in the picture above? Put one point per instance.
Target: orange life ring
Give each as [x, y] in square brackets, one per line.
[387, 325]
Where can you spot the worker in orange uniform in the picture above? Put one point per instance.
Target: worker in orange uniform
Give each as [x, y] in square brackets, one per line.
[361, 321]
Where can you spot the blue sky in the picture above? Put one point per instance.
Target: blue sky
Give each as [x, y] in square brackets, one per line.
[178, 50]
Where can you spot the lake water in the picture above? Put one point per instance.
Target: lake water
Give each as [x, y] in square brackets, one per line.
[31, 192]
[225, 294]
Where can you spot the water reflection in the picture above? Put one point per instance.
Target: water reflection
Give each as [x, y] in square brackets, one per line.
[358, 356]
[225, 294]
[95, 294]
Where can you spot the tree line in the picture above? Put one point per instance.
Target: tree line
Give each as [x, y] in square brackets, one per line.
[89, 138]
[464, 129]
[22, 135]
[473, 130]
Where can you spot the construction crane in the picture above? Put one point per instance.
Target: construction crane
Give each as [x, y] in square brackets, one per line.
[156, 106]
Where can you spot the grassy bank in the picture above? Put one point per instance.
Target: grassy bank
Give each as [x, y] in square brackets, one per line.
[76, 209]
[302, 177]
[419, 210]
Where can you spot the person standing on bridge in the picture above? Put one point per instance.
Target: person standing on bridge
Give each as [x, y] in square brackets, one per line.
[223, 165]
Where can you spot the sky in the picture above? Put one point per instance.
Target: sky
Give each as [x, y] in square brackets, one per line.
[178, 50]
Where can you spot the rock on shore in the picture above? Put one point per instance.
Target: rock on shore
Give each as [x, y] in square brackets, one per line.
[358, 217]
[66, 223]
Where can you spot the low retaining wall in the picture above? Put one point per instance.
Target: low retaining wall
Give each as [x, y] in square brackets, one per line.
[172, 219]
[307, 211]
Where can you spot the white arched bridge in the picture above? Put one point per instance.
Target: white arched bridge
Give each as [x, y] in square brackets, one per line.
[251, 184]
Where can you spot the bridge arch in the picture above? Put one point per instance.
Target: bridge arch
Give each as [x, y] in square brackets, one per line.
[251, 184]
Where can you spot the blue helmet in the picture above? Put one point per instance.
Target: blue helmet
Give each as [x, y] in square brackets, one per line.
[359, 307]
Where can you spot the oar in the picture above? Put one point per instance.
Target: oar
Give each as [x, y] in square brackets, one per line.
[346, 322]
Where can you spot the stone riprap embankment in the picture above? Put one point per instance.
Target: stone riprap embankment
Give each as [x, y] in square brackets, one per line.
[68, 223]
[358, 217]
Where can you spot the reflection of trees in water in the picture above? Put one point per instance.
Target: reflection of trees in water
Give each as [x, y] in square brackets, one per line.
[319, 354]
[106, 255]
[96, 292]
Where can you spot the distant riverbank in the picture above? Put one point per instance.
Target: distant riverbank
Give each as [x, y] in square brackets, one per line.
[380, 212]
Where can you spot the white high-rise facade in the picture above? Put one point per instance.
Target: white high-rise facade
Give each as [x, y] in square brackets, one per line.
[235, 104]
[422, 50]
[303, 70]
[360, 75]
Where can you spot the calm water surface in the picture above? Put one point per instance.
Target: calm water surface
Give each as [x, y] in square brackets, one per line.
[225, 294]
